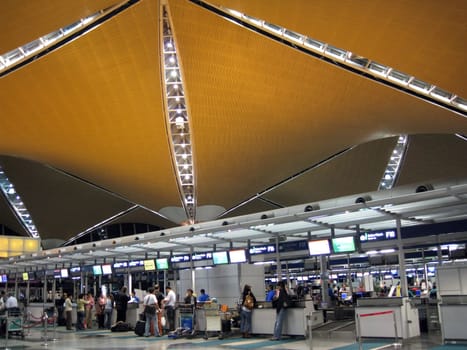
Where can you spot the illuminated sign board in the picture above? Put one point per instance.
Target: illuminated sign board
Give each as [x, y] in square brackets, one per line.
[201, 256]
[378, 236]
[180, 258]
[263, 249]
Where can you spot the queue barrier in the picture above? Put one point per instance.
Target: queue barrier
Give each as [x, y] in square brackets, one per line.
[373, 314]
[21, 324]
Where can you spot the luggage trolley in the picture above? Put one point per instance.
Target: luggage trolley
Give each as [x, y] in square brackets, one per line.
[212, 319]
[14, 323]
[186, 318]
[186, 321]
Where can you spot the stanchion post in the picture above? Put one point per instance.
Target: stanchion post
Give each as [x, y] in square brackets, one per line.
[395, 326]
[309, 330]
[29, 322]
[359, 332]
[55, 325]
[45, 320]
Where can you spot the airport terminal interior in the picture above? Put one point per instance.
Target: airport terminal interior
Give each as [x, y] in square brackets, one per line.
[213, 145]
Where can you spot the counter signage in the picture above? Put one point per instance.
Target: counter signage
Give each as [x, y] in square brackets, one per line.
[136, 263]
[201, 256]
[293, 246]
[378, 236]
[179, 258]
[120, 265]
[263, 249]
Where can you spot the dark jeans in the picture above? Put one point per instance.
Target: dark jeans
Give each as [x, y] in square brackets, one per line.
[170, 314]
[121, 315]
[80, 320]
[108, 318]
[100, 320]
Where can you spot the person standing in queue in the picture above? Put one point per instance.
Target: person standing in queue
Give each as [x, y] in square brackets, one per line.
[100, 310]
[80, 313]
[248, 303]
[108, 310]
[121, 303]
[280, 303]
[89, 306]
[151, 309]
[169, 306]
[160, 298]
[68, 308]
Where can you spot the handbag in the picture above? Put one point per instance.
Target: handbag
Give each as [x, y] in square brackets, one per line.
[150, 309]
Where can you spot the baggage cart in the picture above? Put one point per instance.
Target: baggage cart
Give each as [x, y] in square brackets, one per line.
[213, 322]
[14, 323]
[186, 322]
[186, 316]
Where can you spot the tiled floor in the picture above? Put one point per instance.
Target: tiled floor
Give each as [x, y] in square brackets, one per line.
[106, 340]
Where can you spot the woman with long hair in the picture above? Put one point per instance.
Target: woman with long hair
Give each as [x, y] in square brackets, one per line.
[280, 302]
[248, 303]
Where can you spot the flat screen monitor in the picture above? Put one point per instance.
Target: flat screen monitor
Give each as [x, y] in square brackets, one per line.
[343, 244]
[107, 269]
[75, 270]
[219, 258]
[97, 270]
[64, 273]
[376, 260]
[320, 247]
[237, 256]
[149, 265]
[4, 278]
[25, 276]
[57, 273]
[162, 263]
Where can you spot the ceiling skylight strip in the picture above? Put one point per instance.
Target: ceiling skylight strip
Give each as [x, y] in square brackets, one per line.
[34, 50]
[345, 59]
[392, 169]
[177, 120]
[15, 202]
[101, 224]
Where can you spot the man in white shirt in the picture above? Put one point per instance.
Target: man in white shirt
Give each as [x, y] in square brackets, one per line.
[169, 306]
[11, 302]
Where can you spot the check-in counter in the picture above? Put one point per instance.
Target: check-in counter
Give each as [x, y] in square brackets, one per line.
[384, 317]
[132, 313]
[453, 314]
[295, 322]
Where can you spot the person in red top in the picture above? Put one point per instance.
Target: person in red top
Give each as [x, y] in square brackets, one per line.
[89, 306]
[100, 315]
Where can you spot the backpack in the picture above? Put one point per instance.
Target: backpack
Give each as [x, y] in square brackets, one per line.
[249, 302]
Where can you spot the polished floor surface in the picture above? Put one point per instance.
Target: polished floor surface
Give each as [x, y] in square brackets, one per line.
[59, 338]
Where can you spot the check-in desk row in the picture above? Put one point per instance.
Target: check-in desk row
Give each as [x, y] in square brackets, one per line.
[295, 322]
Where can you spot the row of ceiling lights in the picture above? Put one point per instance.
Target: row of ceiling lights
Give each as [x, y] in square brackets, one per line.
[178, 119]
[351, 60]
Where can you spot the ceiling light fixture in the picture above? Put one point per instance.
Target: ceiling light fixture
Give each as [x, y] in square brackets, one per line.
[177, 118]
[14, 200]
[345, 59]
[392, 170]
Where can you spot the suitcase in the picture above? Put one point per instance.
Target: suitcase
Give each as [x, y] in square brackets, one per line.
[120, 327]
[139, 328]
